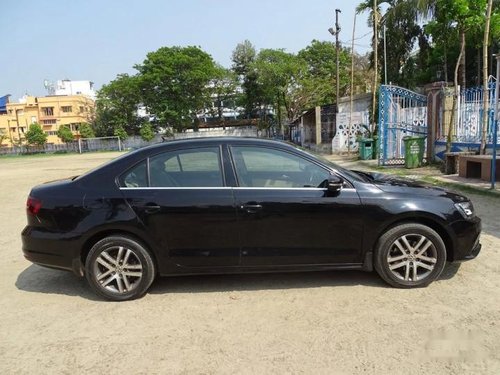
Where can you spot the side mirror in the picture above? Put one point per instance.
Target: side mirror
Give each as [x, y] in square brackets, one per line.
[335, 184]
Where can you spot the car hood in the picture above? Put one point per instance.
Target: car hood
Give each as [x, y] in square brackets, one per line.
[397, 184]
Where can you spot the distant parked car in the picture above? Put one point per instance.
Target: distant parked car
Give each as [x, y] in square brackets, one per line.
[235, 205]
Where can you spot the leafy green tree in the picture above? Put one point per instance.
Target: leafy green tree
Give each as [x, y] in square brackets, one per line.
[3, 137]
[116, 106]
[243, 57]
[147, 132]
[320, 79]
[174, 83]
[280, 75]
[35, 135]
[65, 134]
[121, 133]
[462, 15]
[86, 130]
[402, 33]
[222, 92]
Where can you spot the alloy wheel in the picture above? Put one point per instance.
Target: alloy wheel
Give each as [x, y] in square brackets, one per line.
[118, 269]
[412, 257]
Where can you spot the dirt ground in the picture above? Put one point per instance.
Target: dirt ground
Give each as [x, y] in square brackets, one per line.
[311, 323]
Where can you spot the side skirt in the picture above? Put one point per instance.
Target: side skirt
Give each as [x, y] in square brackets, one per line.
[264, 269]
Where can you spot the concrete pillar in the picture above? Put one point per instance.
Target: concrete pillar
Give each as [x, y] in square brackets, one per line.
[435, 96]
[318, 124]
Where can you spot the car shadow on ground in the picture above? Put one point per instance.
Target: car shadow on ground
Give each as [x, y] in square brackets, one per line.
[36, 279]
[264, 281]
[273, 281]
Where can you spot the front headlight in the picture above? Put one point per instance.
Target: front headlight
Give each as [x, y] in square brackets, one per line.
[466, 209]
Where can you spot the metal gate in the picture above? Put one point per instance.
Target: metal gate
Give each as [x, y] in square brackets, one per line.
[401, 113]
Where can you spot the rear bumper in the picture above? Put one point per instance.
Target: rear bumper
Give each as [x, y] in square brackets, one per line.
[53, 250]
[467, 242]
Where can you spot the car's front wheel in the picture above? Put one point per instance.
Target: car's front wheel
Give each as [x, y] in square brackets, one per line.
[410, 255]
[119, 268]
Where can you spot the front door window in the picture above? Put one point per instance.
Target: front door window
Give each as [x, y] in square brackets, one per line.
[260, 167]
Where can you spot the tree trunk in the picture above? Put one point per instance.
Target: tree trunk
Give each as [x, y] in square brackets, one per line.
[462, 63]
[457, 91]
[375, 65]
[445, 64]
[486, 40]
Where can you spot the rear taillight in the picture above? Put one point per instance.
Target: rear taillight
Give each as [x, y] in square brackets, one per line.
[33, 205]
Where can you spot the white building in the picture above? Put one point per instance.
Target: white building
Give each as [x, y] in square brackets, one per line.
[69, 87]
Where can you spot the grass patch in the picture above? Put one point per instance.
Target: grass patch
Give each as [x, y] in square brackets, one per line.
[17, 157]
[34, 155]
[462, 188]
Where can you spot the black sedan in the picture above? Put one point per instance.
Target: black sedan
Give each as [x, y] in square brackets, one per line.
[234, 205]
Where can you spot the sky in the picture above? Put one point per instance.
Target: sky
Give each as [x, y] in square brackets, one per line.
[97, 39]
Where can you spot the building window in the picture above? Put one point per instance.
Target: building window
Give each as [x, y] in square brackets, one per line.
[82, 109]
[74, 127]
[49, 122]
[67, 108]
[51, 132]
[48, 111]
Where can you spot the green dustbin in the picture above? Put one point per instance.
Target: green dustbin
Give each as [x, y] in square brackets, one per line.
[414, 151]
[365, 148]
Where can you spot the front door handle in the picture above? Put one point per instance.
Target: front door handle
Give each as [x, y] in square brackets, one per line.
[150, 208]
[251, 208]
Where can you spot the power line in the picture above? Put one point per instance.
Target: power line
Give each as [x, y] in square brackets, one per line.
[361, 37]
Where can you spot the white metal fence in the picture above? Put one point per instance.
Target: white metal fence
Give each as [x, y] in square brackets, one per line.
[131, 143]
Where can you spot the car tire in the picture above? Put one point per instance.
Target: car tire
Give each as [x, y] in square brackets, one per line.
[119, 268]
[410, 256]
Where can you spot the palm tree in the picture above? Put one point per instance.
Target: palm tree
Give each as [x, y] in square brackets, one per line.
[486, 41]
[422, 10]
[373, 21]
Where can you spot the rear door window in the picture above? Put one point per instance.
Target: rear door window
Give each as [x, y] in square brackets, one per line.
[135, 177]
[200, 167]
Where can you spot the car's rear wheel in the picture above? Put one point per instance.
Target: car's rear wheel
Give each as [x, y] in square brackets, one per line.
[119, 268]
[410, 255]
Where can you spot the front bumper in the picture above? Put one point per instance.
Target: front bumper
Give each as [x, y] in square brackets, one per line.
[467, 239]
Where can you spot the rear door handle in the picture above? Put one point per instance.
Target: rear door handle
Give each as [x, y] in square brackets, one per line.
[251, 208]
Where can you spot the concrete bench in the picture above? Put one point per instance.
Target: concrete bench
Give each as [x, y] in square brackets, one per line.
[477, 166]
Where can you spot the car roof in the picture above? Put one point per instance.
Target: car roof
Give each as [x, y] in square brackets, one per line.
[210, 140]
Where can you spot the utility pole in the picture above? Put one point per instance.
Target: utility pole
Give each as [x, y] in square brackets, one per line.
[337, 50]
[352, 88]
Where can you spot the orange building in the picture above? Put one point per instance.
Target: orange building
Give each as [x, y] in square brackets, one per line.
[50, 112]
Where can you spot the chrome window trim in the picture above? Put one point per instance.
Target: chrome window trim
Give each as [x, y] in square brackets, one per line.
[176, 188]
[230, 187]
